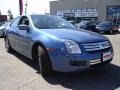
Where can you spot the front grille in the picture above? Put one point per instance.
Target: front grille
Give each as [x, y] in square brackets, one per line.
[97, 46]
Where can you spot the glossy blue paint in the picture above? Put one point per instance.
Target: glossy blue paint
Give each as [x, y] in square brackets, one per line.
[23, 40]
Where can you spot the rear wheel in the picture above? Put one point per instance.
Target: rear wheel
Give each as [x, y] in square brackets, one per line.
[7, 45]
[44, 62]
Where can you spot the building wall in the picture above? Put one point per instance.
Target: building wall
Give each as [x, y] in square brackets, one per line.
[99, 5]
[3, 18]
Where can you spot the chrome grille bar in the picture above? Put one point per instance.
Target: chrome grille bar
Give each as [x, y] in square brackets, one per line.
[96, 46]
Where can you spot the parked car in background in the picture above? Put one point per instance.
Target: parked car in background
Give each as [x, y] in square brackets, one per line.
[56, 46]
[2, 29]
[1, 23]
[106, 27]
[87, 25]
[72, 22]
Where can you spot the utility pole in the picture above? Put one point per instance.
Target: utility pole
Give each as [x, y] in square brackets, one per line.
[26, 5]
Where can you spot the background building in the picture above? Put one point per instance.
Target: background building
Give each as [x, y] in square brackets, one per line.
[3, 18]
[86, 9]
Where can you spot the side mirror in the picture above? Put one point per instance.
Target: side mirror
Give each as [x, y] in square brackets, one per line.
[24, 27]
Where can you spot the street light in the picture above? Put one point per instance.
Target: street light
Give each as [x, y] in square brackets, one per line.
[26, 4]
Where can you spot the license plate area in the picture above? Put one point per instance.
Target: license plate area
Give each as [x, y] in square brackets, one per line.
[107, 56]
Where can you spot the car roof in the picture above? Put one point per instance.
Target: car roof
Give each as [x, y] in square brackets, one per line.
[36, 15]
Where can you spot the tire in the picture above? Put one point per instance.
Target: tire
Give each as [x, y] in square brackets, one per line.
[7, 45]
[45, 66]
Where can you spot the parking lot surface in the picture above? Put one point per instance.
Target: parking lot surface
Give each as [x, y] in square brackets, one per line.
[19, 73]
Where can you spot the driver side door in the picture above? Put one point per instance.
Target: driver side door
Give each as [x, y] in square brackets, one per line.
[23, 37]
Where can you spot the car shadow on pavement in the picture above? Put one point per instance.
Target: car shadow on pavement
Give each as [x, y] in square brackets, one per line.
[1, 37]
[100, 78]
[97, 78]
[31, 63]
[114, 33]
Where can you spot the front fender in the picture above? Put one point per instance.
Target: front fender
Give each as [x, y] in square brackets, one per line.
[48, 41]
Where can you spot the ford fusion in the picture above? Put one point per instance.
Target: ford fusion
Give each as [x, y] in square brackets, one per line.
[56, 44]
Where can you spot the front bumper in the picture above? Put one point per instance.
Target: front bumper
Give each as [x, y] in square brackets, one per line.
[67, 63]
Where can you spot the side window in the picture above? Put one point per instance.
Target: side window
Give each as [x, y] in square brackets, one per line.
[24, 21]
[15, 22]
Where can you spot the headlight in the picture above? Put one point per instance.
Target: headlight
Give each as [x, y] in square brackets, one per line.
[72, 46]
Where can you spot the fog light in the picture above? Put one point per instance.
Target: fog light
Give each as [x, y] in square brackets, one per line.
[78, 63]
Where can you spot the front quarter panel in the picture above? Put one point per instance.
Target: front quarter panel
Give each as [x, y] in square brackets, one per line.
[47, 40]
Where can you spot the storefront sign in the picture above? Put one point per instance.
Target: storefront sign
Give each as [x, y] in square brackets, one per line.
[86, 14]
[69, 14]
[60, 14]
[89, 12]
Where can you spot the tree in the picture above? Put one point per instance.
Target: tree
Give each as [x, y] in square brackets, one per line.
[10, 16]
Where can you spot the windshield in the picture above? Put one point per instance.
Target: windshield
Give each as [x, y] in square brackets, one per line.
[50, 22]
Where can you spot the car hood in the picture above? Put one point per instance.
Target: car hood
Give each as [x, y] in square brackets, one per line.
[82, 36]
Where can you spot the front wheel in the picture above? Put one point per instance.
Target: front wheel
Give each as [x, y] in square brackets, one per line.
[44, 62]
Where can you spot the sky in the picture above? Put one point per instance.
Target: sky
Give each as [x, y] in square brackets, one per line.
[34, 6]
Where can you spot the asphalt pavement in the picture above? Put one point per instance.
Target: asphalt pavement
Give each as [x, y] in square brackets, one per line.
[19, 73]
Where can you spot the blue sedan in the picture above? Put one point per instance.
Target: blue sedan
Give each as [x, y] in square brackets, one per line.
[56, 44]
[105, 27]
